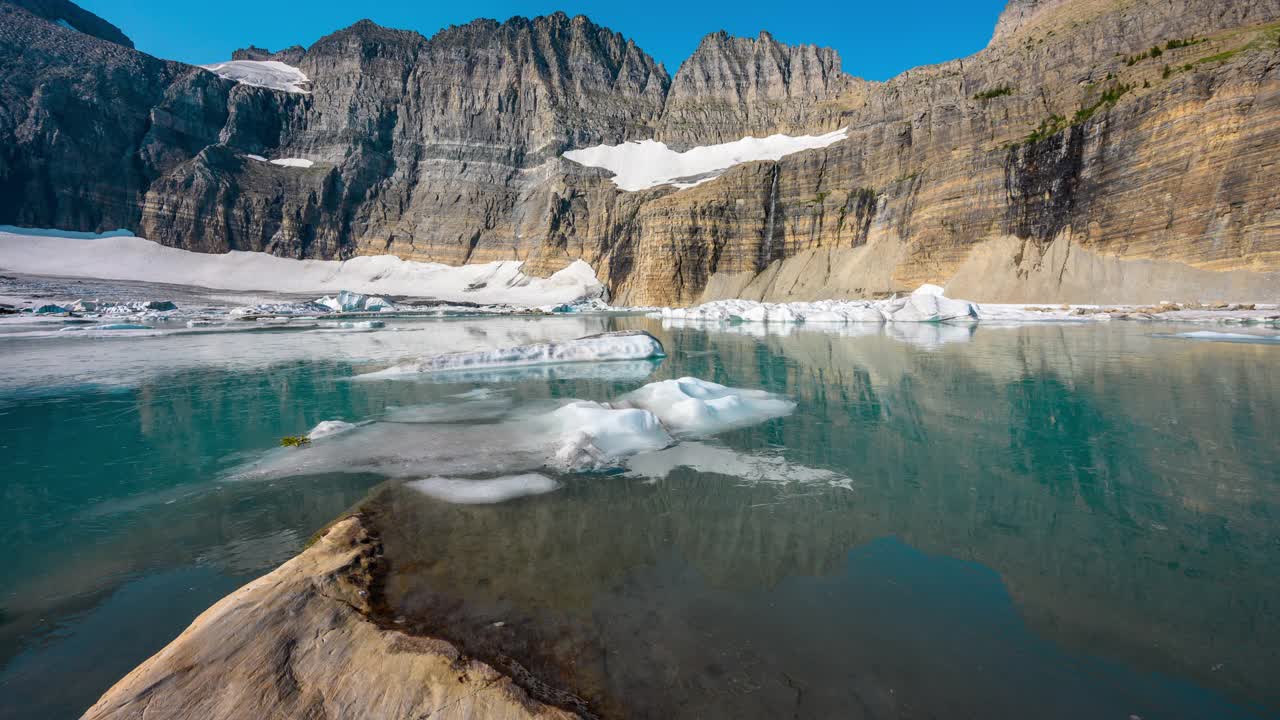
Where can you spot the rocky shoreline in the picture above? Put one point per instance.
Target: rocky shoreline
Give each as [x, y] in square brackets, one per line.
[307, 640]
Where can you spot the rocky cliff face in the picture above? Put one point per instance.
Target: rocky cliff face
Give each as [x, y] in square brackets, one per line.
[732, 87]
[1068, 161]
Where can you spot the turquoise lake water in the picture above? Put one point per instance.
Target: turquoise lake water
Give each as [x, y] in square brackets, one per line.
[1036, 521]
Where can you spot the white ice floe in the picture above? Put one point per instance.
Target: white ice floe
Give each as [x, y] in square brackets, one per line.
[1229, 337]
[925, 305]
[131, 258]
[276, 309]
[689, 406]
[614, 371]
[748, 467]
[576, 436]
[352, 326]
[122, 326]
[649, 163]
[262, 73]
[329, 427]
[244, 347]
[347, 301]
[594, 436]
[126, 308]
[626, 345]
[488, 491]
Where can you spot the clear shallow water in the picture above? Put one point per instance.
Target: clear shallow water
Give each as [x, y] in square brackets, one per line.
[1060, 521]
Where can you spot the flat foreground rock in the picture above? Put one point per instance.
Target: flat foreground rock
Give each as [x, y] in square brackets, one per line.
[297, 643]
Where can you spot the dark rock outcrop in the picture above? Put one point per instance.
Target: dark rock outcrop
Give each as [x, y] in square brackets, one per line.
[74, 17]
[291, 55]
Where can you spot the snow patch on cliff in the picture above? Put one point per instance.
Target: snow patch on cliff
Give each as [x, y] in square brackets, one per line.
[271, 74]
[283, 162]
[649, 163]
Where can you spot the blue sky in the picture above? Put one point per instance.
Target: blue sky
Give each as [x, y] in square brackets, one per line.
[876, 39]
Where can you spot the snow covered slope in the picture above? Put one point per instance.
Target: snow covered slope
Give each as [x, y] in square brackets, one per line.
[132, 258]
[649, 163]
[262, 73]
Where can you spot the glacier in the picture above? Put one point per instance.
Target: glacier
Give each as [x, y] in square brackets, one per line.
[271, 74]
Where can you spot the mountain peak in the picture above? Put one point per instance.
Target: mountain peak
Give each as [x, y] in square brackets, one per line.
[70, 15]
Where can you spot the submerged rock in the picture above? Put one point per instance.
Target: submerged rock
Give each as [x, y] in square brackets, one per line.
[299, 642]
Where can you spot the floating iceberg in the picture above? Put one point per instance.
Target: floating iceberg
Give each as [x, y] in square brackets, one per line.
[649, 163]
[287, 308]
[595, 436]
[271, 74]
[577, 436]
[615, 371]
[133, 308]
[329, 427]
[689, 406]
[347, 301]
[477, 492]
[625, 345]
[925, 305]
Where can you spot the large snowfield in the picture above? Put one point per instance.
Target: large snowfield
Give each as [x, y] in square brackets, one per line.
[116, 257]
[649, 163]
